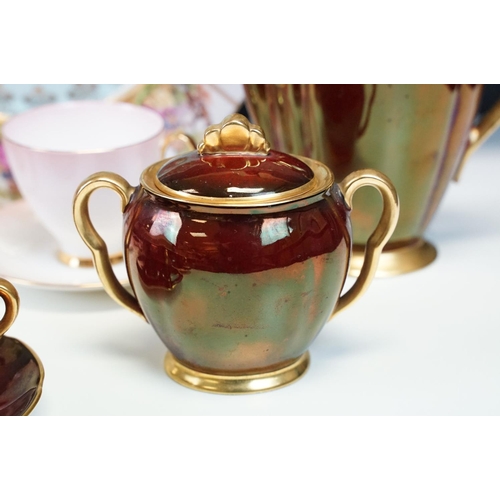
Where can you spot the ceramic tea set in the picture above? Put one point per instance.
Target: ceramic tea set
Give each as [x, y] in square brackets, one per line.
[237, 253]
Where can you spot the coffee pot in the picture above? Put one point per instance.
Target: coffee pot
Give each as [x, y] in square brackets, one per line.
[237, 255]
[419, 135]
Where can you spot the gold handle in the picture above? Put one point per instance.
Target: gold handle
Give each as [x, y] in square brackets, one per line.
[11, 299]
[478, 135]
[380, 235]
[177, 136]
[92, 239]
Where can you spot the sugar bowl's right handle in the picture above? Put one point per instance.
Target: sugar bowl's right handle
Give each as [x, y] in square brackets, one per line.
[177, 136]
[380, 235]
[9, 295]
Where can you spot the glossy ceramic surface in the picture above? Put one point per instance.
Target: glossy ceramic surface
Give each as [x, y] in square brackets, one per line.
[416, 134]
[233, 176]
[21, 378]
[236, 293]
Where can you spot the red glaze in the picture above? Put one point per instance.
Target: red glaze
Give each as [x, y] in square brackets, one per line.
[230, 176]
[239, 290]
[226, 243]
[231, 293]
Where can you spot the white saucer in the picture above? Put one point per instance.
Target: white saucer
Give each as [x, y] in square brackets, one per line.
[28, 255]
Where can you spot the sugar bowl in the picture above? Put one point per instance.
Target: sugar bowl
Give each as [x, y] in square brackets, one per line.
[236, 255]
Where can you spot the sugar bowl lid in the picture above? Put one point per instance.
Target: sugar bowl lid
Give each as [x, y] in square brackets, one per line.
[234, 167]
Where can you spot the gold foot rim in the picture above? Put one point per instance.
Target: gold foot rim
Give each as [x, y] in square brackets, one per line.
[235, 384]
[74, 261]
[402, 260]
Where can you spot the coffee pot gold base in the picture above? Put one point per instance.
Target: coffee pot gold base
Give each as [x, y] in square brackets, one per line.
[235, 384]
[401, 260]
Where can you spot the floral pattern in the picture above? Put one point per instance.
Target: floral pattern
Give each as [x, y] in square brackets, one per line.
[190, 108]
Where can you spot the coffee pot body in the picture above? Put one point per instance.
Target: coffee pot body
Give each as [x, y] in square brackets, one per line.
[418, 135]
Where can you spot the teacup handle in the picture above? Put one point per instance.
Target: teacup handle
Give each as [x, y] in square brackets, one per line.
[380, 235]
[94, 241]
[11, 299]
[177, 136]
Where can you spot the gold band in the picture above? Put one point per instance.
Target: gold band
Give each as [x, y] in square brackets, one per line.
[235, 384]
[322, 181]
[74, 261]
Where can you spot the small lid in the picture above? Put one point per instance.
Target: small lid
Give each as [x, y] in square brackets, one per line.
[235, 167]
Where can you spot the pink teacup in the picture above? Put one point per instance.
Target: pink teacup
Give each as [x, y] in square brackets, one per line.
[52, 148]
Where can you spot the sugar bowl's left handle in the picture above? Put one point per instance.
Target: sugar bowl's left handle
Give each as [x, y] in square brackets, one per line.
[94, 241]
[11, 299]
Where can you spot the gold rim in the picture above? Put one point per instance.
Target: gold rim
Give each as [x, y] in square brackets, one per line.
[41, 370]
[10, 119]
[235, 384]
[38, 393]
[393, 262]
[320, 183]
[73, 261]
[235, 135]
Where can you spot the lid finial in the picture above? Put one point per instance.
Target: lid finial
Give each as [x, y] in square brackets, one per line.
[234, 135]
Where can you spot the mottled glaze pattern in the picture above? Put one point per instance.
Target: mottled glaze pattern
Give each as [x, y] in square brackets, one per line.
[415, 134]
[20, 377]
[237, 293]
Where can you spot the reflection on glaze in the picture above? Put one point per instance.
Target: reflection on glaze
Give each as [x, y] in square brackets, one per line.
[274, 230]
[238, 190]
[19, 377]
[230, 176]
[167, 224]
